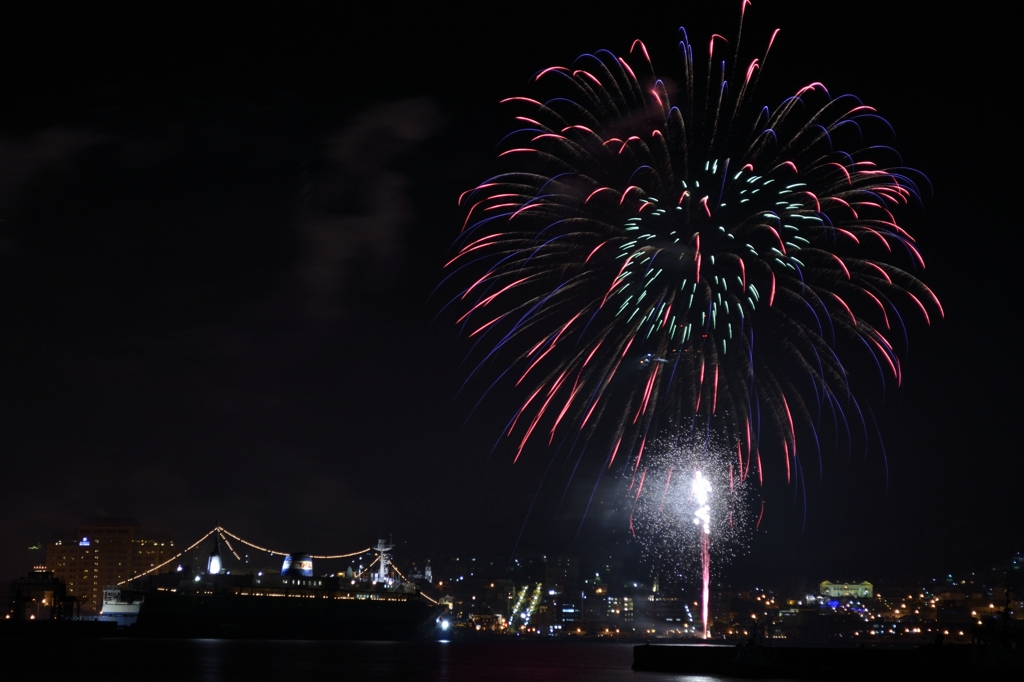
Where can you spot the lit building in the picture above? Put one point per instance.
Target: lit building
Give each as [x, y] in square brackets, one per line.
[618, 609]
[666, 612]
[864, 589]
[39, 596]
[563, 571]
[102, 552]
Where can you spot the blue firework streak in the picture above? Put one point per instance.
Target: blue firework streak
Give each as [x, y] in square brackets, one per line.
[642, 241]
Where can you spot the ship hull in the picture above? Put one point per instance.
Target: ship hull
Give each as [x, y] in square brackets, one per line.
[170, 614]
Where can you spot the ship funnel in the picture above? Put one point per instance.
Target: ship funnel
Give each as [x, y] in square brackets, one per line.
[213, 565]
[298, 565]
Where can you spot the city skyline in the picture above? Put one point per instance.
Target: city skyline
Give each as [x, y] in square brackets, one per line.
[533, 594]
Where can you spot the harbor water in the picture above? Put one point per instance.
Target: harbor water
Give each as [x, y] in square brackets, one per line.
[212, 660]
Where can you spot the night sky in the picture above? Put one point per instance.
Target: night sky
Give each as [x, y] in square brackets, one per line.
[219, 235]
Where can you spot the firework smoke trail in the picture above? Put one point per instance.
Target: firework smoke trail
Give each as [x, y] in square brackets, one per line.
[636, 246]
[702, 517]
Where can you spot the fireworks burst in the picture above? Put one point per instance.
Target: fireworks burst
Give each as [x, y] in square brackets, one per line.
[648, 233]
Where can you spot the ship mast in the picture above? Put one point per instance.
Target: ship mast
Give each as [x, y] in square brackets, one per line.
[383, 570]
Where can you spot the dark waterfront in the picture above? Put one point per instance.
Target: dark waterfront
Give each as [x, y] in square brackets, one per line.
[214, 660]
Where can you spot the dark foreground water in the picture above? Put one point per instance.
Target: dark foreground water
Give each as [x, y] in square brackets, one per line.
[511, 660]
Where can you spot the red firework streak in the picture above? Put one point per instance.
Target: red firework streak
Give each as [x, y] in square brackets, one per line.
[705, 560]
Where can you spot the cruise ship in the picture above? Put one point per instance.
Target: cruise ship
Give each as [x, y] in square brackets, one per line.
[294, 603]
